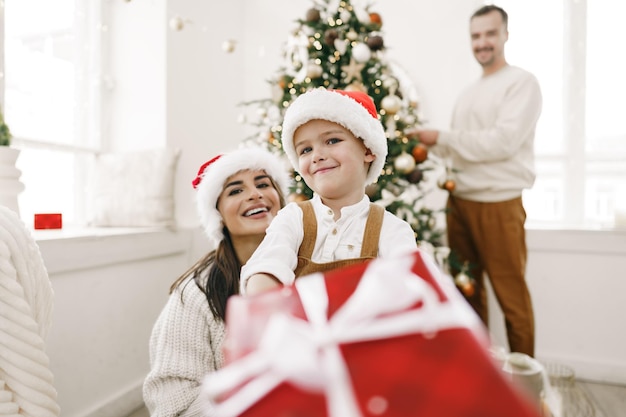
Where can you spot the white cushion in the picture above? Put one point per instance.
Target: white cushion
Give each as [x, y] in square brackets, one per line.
[133, 189]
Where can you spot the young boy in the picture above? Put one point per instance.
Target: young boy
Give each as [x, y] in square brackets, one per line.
[334, 139]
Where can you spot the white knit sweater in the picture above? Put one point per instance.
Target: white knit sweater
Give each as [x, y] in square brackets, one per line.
[185, 345]
[491, 142]
[26, 298]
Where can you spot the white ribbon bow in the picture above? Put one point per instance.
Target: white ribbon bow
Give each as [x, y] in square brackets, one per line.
[307, 353]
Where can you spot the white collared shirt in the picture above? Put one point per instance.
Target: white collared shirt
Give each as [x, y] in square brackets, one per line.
[277, 255]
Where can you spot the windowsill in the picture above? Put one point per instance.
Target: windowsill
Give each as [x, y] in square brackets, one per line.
[582, 240]
[92, 232]
[72, 249]
[564, 227]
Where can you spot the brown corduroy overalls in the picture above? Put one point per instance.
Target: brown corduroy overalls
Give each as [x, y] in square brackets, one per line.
[369, 248]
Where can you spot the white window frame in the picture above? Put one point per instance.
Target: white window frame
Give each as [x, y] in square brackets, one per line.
[88, 138]
[573, 180]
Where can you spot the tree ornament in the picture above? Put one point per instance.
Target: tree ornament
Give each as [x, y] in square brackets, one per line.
[314, 70]
[361, 52]
[420, 153]
[312, 15]
[228, 45]
[404, 163]
[352, 35]
[330, 36]
[390, 83]
[345, 15]
[415, 176]
[356, 86]
[341, 45]
[465, 284]
[448, 185]
[353, 70]
[461, 279]
[391, 103]
[177, 23]
[375, 43]
[376, 19]
[362, 15]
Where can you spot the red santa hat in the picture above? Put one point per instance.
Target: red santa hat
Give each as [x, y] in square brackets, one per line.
[213, 174]
[353, 110]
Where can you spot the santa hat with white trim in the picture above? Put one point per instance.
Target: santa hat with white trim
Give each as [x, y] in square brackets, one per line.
[353, 110]
[212, 177]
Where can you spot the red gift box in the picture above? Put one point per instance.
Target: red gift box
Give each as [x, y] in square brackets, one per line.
[48, 221]
[390, 338]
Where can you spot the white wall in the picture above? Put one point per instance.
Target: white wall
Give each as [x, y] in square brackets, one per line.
[134, 79]
[108, 292]
[204, 86]
[577, 282]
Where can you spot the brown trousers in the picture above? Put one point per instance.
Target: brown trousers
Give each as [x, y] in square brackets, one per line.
[492, 239]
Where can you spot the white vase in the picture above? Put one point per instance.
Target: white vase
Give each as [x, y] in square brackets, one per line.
[10, 184]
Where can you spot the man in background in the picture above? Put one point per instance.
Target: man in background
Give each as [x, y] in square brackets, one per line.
[490, 146]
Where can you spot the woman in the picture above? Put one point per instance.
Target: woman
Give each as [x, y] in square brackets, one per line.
[238, 195]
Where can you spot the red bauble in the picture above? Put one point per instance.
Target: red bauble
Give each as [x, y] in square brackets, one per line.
[468, 290]
[420, 153]
[448, 185]
[376, 19]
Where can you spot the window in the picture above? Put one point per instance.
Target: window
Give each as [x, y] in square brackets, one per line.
[52, 96]
[581, 137]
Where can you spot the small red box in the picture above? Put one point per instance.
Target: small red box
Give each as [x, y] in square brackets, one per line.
[390, 338]
[48, 221]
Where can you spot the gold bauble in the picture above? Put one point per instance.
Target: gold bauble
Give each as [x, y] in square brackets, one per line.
[314, 71]
[462, 279]
[177, 23]
[391, 104]
[356, 86]
[228, 45]
[404, 163]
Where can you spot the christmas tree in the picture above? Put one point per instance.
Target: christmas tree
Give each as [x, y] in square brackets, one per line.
[338, 45]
